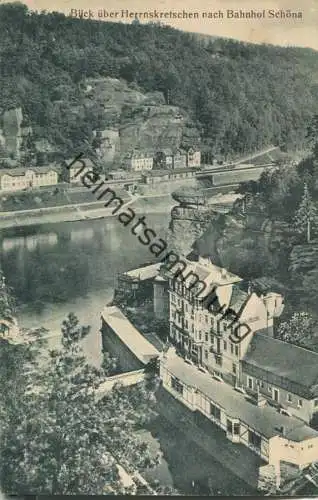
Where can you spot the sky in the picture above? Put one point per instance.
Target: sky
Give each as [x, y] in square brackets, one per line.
[300, 32]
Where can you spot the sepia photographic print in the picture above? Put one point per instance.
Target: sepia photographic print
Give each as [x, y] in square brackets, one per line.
[158, 248]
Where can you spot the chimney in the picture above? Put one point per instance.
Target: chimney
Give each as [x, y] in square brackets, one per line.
[260, 400]
[223, 273]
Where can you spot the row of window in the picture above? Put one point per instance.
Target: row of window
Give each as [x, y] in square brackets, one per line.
[232, 427]
[221, 326]
[274, 392]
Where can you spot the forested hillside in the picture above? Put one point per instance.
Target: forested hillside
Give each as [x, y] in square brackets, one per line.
[240, 96]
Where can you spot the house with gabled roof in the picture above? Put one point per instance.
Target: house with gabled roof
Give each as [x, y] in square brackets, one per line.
[179, 159]
[203, 325]
[16, 179]
[287, 375]
[193, 157]
[139, 160]
[274, 437]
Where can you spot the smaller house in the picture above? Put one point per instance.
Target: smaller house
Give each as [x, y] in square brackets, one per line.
[284, 373]
[193, 157]
[155, 176]
[179, 159]
[17, 179]
[139, 161]
[272, 436]
[123, 341]
[182, 173]
[76, 171]
[163, 159]
[137, 285]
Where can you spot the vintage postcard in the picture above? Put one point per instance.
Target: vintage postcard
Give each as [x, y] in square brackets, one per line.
[159, 248]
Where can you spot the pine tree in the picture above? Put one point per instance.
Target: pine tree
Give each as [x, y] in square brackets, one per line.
[57, 437]
[305, 215]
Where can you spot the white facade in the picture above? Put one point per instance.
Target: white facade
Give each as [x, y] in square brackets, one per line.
[140, 162]
[206, 334]
[76, 172]
[18, 179]
[193, 158]
[272, 436]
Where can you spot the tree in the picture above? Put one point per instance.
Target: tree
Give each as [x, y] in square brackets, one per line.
[7, 301]
[57, 437]
[298, 329]
[305, 215]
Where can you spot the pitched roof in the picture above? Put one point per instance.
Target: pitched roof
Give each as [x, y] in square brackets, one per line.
[266, 421]
[207, 272]
[139, 154]
[238, 299]
[156, 173]
[145, 272]
[20, 171]
[129, 335]
[283, 359]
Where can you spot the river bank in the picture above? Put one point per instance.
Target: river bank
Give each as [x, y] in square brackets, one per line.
[147, 205]
[85, 211]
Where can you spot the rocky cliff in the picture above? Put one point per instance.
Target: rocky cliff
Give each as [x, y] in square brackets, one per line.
[248, 244]
[189, 219]
[142, 120]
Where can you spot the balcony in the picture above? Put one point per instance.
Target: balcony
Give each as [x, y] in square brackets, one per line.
[213, 350]
[215, 332]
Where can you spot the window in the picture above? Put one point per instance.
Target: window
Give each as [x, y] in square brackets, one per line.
[250, 382]
[176, 385]
[289, 398]
[218, 327]
[236, 350]
[200, 336]
[236, 429]
[275, 395]
[232, 348]
[254, 439]
[229, 426]
[206, 318]
[218, 346]
[300, 403]
[269, 388]
[215, 411]
[234, 369]
[224, 345]
[206, 354]
[218, 360]
[206, 337]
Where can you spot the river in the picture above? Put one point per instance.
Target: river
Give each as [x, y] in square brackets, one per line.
[72, 267]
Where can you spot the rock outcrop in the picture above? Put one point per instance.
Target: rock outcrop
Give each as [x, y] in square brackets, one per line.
[142, 121]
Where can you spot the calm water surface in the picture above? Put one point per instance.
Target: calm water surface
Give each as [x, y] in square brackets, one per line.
[59, 268]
